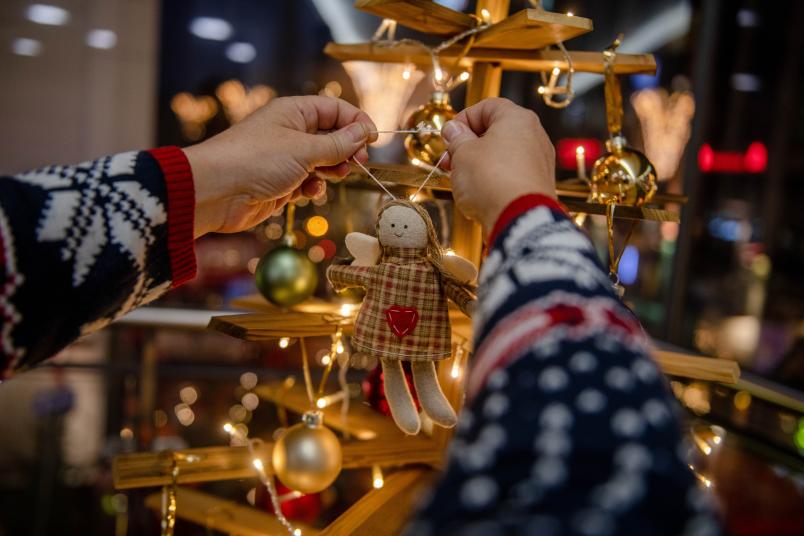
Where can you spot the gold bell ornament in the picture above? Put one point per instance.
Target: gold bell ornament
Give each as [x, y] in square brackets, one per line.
[307, 457]
[623, 175]
[285, 275]
[426, 146]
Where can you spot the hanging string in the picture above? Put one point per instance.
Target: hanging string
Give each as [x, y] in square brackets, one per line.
[432, 171]
[439, 81]
[266, 479]
[169, 500]
[421, 129]
[308, 380]
[375, 179]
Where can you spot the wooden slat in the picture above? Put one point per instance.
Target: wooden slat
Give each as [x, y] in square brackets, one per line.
[622, 212]
[384, 511]
[218, 514]
[150, 469]
[399, 175]
[363, 423]
[577, 188]
[146, 469]
[269, 326]
[257, 302]
[698, 368]
[530, 29]
[507, 60]
[423, 15]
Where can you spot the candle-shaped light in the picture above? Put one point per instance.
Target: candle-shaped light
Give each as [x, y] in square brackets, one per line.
[580, 159]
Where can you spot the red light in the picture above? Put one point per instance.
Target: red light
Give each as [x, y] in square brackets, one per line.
[566, 150]
[754, 160]
[706, 157]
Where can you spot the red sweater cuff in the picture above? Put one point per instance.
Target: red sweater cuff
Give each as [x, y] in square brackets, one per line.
[181, 211]
[519, 206]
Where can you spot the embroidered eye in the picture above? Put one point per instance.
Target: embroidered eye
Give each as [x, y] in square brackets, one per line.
[393, 225]
[406, 226]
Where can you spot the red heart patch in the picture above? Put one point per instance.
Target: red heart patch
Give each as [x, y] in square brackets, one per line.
[401, 320]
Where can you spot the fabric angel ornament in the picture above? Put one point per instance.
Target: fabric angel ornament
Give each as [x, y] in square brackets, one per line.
[404, 316]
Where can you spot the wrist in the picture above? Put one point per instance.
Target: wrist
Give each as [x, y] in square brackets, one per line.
[208, 188]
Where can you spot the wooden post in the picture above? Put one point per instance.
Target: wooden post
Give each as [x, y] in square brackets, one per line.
[467, 236]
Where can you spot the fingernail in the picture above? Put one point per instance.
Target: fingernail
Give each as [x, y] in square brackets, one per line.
[356, 132]
[451, 129]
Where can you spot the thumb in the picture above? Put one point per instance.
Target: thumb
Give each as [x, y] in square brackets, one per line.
[456, 133]
[336, 147]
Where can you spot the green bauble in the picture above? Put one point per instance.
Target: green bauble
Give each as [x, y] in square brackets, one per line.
[285, 276]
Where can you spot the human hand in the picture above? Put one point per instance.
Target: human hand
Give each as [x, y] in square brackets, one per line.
[498, 151]
[275, 155]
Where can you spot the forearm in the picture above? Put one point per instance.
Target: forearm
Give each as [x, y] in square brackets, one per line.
[84, 244]
[568, 420]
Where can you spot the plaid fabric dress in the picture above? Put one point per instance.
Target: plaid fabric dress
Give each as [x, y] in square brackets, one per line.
[404, 315]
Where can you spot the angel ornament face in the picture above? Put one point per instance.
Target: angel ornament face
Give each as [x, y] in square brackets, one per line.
[404, 316]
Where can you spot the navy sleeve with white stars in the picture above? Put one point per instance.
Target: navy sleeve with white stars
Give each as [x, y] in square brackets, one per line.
[569, 426]
[80, 246]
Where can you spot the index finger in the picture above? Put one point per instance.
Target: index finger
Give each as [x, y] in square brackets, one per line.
[485, 114]
[329, 113]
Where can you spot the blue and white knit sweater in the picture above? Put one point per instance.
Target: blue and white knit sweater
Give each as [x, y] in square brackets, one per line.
[82, 245]
[569, 426]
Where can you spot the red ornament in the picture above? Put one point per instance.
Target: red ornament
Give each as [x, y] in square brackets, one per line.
[374, 389]
[306, 508]
[402, 320]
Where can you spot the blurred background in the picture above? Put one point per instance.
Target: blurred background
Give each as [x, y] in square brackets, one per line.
[722, 120]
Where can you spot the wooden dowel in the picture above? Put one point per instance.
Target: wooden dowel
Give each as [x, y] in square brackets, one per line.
[697, 368]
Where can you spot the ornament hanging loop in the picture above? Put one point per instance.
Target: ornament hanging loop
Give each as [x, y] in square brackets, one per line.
[550, 88]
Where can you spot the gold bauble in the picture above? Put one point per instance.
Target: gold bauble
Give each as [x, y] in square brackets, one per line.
[285, 276]
[623, 176]
[427, 147]
[307, 458]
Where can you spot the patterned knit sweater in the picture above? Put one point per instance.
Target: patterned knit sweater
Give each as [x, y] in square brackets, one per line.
[82, 245]
[569, 427]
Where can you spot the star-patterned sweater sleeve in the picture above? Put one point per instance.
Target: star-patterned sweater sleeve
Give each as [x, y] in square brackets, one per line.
[82, 245]
[569, 426]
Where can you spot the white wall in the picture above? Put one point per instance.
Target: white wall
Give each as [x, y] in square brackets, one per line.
[73, 102]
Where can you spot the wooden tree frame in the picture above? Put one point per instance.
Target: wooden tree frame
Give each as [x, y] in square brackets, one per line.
[513, 42]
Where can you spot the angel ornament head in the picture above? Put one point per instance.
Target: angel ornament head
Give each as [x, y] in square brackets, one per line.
[404, 316]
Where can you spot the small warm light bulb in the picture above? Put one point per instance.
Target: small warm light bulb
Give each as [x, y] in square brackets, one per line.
[579, 151]
[570, 14]
[449, 252]
[339, 347]
[456, 371]
[284, 342]
[439, 75]
[485, 15]
[415, 161]
[541, 90]
[297, 532]
[464, 76]
[326, 359]
[406, 74]
[321, 403]
[346, 309]
[228, 428]
[376, 477]
[556, 71]
[258, 464]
